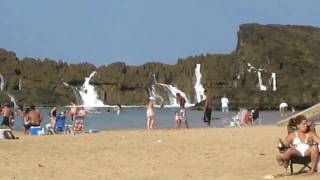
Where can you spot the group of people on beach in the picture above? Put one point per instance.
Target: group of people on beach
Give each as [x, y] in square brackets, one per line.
[32, 117]
[180, 115]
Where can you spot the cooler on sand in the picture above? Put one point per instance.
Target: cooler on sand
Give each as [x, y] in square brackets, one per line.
[35, 131]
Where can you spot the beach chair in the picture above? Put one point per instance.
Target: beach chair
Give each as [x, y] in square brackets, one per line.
[49, 129]
[6, 133]
[238, 118]
[304, 161]
[59, 127]
[78, 124]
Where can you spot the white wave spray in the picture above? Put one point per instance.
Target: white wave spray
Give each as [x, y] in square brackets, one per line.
[88, 94]
[170, 91]
[198, 86]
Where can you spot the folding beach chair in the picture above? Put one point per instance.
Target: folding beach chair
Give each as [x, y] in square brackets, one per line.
[304, 161]
[78, 124]
[59, 127]
[238, 119]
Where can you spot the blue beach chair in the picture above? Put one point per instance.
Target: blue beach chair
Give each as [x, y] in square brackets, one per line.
[60, 123]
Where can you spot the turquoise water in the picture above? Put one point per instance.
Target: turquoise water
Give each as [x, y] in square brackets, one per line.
[135, 118]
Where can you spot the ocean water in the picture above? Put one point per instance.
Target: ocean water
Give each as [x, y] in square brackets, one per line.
[135, 118]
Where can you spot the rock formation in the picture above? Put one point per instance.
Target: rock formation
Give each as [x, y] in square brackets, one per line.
[292, 53]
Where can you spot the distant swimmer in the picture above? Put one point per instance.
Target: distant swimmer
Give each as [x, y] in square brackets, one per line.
[118, 109]
[82, 112]
[283, 108]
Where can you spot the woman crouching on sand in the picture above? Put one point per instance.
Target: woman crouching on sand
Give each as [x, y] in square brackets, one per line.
[304, 143]
[150, 113]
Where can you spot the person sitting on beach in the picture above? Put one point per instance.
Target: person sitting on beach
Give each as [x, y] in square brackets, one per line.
[53, 119]
[150, 113]
[304, 143]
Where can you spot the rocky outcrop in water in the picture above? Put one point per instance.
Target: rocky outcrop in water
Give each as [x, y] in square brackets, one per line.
[291, 52]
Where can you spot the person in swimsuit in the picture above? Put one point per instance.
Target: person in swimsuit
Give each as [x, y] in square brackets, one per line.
[6, 115]
[207, 108]
[150, 113]
[182, 111]
[26, 122]
[34, 117]
[73, 111]
[304, 143]
[53, 116]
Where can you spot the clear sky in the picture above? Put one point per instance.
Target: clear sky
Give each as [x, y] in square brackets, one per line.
[137, 31]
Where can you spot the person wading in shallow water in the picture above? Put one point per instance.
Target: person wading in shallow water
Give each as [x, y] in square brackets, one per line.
[73, 111]
[182, 110]
[207, 109]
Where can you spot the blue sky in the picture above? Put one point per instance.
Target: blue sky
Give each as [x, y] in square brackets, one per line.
[137, 31]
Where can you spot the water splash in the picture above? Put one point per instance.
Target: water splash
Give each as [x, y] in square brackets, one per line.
[261, 86]
[198, 86]
[274, 82]
[13, 100]
[88, 94]
[1, 82]
[75, 92]
[170, 93]
[20, 84]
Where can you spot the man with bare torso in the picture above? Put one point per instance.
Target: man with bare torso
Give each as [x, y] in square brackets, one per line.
[34, 117]
[207, 108]
[6, 115]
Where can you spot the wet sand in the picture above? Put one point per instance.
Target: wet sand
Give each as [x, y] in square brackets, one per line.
[207, 153]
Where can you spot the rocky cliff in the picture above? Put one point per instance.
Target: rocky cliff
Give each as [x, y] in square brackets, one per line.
[292, 53]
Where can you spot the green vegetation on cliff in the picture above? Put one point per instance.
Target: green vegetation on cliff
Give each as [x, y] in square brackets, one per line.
[292, 52]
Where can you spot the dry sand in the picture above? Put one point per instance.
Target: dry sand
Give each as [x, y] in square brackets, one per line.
[209, 153]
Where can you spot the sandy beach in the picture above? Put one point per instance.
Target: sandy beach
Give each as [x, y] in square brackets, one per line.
[207, 153]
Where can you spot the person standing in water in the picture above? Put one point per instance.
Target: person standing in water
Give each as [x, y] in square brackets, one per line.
[150, 113]
[207, 108]
[182, 109]
[283, 108]
[73, 111]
